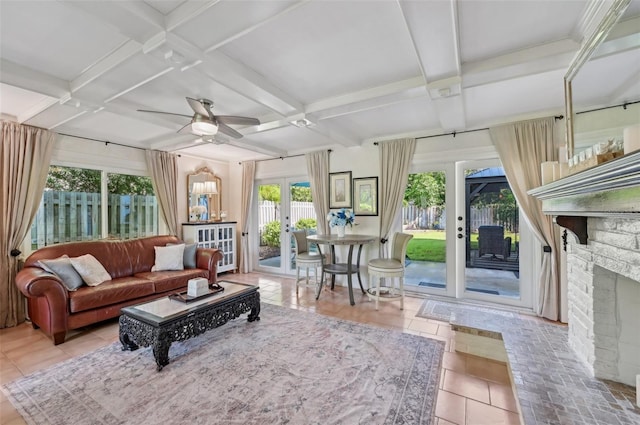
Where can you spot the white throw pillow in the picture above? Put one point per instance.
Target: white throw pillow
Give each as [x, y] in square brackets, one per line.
[169, 258]
[92, 271]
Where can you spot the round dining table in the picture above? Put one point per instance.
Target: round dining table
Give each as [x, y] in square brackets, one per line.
[333, 268]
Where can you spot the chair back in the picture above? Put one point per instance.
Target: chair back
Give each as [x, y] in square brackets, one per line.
[399, 246]
[300, 238]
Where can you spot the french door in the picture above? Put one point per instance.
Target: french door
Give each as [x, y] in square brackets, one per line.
[447, 256]
[284, 205]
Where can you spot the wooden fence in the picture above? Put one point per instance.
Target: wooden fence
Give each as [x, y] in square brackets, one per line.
[413, 217]
[436, 217]
[76, 216]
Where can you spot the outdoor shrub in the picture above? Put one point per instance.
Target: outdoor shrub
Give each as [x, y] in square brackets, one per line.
[306, 223]
[271, 233]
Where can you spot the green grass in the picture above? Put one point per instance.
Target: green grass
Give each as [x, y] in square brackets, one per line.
[430, 245]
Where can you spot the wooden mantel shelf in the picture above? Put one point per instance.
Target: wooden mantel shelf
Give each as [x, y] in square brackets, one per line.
[611, 189]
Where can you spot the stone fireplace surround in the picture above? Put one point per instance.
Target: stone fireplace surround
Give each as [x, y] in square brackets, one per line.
[604, 298]
[601, 208]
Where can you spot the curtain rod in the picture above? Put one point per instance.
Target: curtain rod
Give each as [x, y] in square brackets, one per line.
[624, 106]
[281, 157]
[454, 133]
[106, 142]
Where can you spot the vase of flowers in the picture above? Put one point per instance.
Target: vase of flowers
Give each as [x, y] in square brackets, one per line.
[198, 210]
[340, 219]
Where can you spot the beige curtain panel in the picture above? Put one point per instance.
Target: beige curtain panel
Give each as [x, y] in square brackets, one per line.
[25, 155]
[318, 170]
[522, 148]
[248, 178]
[163, 168]
[395, 159]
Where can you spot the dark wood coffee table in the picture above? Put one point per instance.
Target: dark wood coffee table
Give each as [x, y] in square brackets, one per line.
[159, 323]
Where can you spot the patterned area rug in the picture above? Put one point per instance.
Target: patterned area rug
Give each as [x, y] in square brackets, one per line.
[453, 312]
[291, 367]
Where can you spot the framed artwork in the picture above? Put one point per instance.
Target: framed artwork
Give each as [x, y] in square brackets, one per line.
[365, 191]
[340, 190]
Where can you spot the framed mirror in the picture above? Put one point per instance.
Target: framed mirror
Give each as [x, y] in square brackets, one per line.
[204, 190]
[603, 72]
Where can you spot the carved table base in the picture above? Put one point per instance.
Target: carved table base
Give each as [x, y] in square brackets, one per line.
[135, 333]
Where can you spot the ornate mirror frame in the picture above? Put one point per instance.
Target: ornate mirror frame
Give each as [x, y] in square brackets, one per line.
[590, 45]
[212, 202]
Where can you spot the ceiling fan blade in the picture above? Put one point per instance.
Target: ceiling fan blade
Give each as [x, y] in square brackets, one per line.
[223, 128]
[198, 107]
[166, 113]
[229, 119]
[185, 129]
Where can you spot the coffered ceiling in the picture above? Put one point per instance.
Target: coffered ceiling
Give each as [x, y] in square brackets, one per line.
[356, 71]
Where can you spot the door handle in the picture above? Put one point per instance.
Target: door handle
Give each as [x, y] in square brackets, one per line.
[460, 236]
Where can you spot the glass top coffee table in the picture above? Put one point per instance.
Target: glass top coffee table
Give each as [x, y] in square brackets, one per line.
[160, 322]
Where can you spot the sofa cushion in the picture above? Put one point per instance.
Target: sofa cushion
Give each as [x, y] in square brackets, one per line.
[189, 258]
[173, 280]
[169, 258]
[63, 268]
[91, 270]
[110, 292]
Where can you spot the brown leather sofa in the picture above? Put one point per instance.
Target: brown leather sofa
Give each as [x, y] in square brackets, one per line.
[56, 310]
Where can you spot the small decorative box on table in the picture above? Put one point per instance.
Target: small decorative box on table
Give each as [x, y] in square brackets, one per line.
[159, 323]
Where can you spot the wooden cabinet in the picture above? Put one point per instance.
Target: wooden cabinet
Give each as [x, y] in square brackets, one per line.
[220, 235]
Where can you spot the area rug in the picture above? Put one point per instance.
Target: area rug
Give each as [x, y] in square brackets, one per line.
[454, 312]
[291, 367]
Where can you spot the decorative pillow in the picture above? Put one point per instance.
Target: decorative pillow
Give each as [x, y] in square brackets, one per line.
[169, 258]
[91, 270]
[189, 258]
[63, 268]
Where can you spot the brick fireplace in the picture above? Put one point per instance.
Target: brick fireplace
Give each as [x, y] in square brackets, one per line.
[601, 207]
[604, 298]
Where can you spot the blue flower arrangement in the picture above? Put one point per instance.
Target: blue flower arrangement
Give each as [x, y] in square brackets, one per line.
[341, 217]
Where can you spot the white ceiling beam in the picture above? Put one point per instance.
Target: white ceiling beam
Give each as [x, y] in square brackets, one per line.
[36, 81]
[186, 12]
[255, 26]
[364, 95]
[433, 29]
[237, 77]
[135, 20]
[106, 64]
[34, 110]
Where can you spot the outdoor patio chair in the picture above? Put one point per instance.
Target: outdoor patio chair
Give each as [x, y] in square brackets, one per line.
[491, 241]
[391, 268]
[306, 260]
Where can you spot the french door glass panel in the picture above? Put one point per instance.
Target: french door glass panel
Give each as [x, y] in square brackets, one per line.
[283, 205]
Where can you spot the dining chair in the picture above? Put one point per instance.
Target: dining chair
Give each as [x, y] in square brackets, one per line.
[389, 268]
[307, 260]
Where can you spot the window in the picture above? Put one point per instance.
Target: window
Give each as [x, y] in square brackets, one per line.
[71, 207]
[133, 209]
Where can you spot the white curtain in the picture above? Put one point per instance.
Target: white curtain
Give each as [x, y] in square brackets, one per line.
[522, 147]
[395, 159]
[318, 170]
[248, 178]
[25, 155]
[163, 167]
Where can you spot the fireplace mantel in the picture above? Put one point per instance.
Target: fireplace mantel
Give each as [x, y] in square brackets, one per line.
[611, 189]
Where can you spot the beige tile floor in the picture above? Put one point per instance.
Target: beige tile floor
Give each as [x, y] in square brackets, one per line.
[473, 390]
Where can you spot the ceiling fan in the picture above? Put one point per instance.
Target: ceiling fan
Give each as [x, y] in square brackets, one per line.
[205, 123]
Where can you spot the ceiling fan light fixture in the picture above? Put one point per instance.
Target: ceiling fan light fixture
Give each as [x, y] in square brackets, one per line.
[202, 128]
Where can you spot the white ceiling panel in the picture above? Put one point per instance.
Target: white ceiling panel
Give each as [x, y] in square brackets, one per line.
[510, 99]
[16, 102]
[338, 47]
[493, 28]
[400, 118]
[226, 19]
[112, 127]
[54, 38]
[55, 115]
